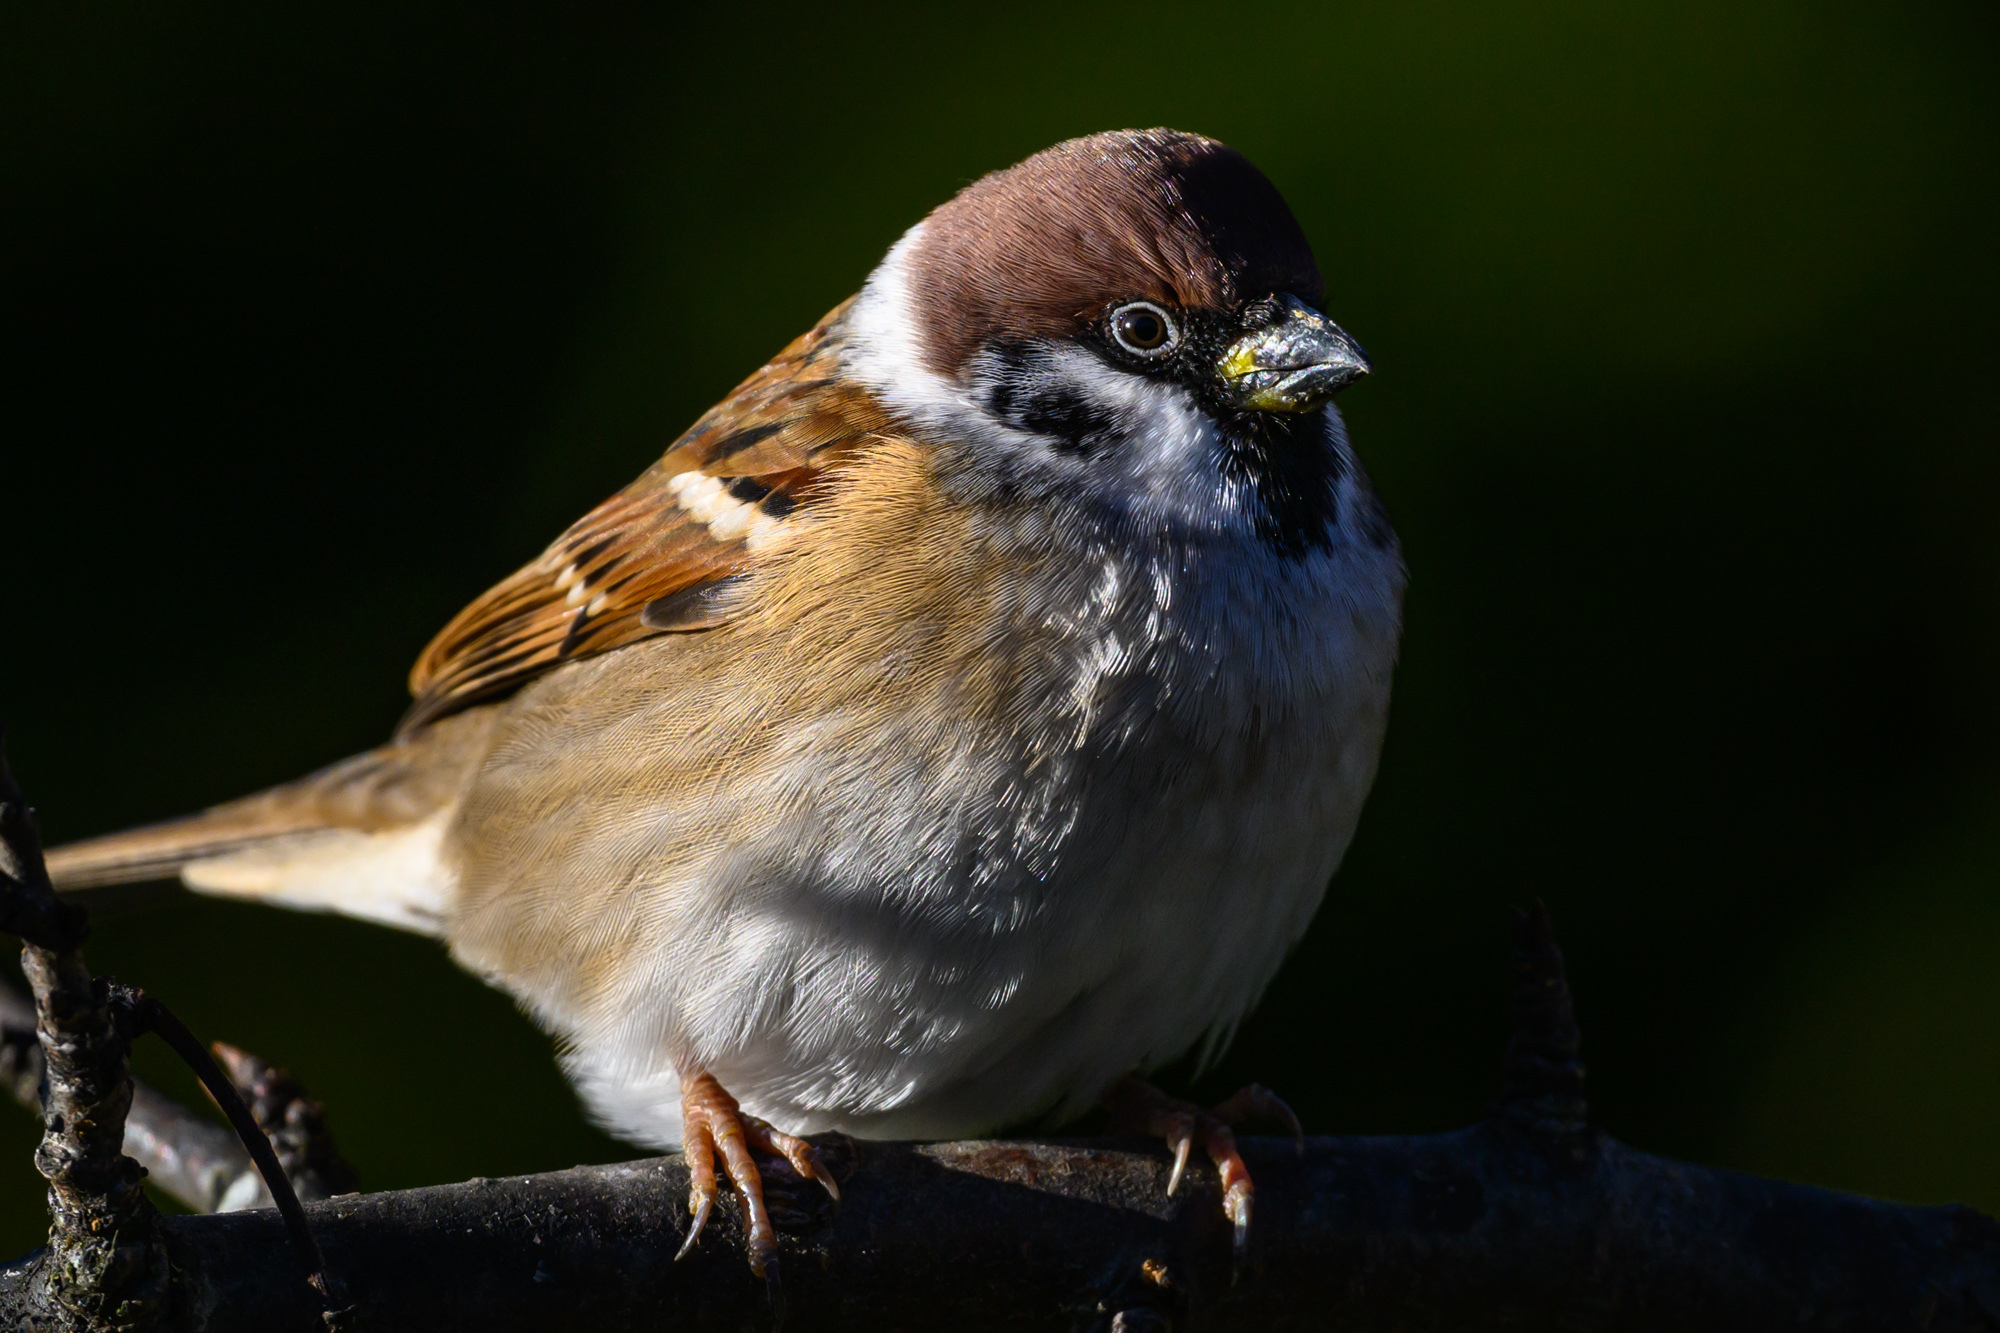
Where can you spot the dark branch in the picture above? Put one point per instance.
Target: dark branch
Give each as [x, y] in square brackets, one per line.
[1531, 1219]
[1479, 1229]
[294, 1122]
[186, 1155]
[104, 1266]
[146, 1014]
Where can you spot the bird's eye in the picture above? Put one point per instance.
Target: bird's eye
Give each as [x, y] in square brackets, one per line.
[1143, 328]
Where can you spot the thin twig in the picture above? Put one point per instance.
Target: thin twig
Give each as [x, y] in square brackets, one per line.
[1543, 1074]
[29, 907]
[294, 1122]
[147, 1014]
[186, 1155]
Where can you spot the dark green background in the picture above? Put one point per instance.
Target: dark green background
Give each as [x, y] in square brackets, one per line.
[318, 321]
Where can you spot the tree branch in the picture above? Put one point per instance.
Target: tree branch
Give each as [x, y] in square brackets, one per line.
[189, 1156]
[1484, 1228]
[294, 1122]
[186, 1155]
[104, 1267]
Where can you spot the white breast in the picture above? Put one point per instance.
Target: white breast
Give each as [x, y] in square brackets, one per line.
[968, 918]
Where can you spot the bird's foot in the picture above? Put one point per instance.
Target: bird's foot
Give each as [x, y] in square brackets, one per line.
[713, 1125]
[1137, 1107]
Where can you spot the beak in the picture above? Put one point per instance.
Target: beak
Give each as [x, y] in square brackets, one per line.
[1292, 365]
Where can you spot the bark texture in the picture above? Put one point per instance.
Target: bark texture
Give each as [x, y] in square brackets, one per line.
[104, 1267]
[1490, 1227]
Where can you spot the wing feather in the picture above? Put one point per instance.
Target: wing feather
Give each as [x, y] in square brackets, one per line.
[725, 490]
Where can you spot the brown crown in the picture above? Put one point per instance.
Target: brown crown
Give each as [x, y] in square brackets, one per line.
[1042, 248]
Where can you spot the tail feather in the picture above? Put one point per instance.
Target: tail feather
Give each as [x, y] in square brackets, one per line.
[359, 837]
[159, 851]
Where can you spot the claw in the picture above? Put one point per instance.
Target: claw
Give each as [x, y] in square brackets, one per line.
[802, 1155]
[1138, 1106]
[774, 1291]
[698, 1145]
[713, 1125]
[699, 1204]
[1236, 1203]
[824, 1177]
[1181, 1141]
[1284, 1115]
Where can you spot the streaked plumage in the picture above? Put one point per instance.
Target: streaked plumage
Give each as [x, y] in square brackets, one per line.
[967, 711]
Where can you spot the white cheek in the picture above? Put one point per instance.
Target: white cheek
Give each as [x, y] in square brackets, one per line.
[883, 350]
[1166, 464]
[1166, 441]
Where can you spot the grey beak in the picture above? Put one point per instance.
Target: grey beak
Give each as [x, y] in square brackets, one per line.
[1294, 364]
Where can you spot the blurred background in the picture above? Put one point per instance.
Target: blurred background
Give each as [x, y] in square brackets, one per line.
[317, 320]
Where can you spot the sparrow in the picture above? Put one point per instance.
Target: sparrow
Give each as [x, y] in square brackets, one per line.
[965, 716]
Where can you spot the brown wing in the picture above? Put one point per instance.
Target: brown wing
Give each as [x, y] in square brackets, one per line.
[647, 560]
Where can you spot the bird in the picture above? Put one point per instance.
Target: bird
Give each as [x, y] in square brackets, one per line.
[962, 719]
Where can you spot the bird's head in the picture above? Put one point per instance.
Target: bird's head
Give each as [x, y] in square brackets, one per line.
[1129, 320]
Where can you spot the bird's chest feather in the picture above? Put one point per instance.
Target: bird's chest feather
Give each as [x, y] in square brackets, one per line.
[933, 806]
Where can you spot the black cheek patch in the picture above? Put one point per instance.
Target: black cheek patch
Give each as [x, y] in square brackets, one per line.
[1075, 424]
[1027, 395]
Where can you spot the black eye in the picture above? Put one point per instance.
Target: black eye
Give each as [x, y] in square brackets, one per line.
[1143, 328]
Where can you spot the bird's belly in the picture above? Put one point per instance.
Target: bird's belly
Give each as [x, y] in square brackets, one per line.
[1160, 930]
[951, 944]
